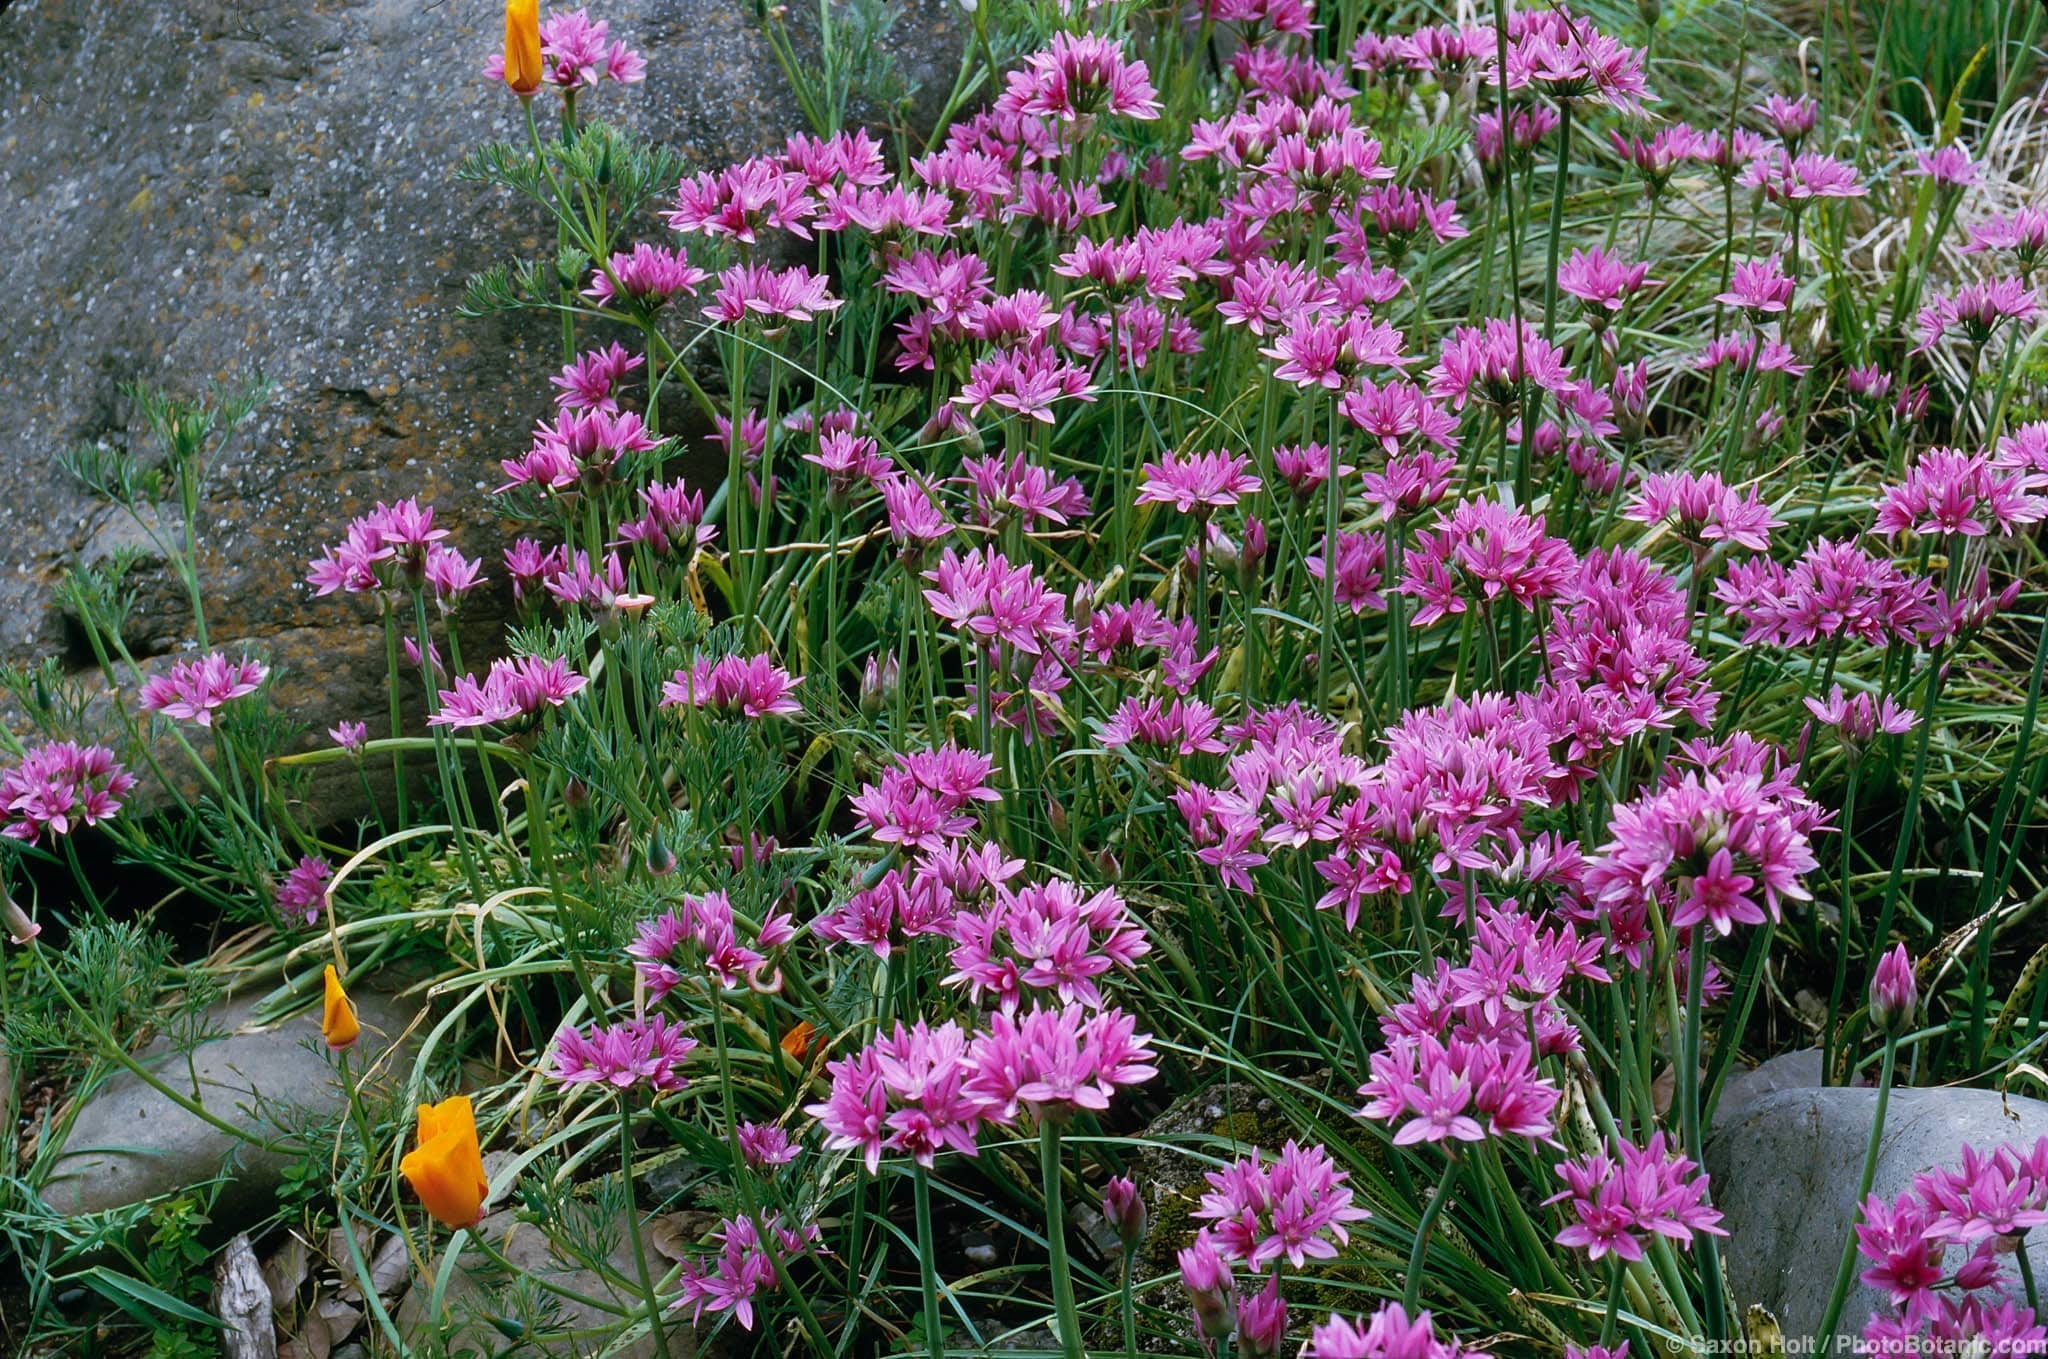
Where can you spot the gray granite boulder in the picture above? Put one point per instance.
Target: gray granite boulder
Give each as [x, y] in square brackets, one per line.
[196, 189]
[1785, 1167]
[128, 1142]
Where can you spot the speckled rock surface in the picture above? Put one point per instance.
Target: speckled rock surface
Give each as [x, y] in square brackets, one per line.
[129, 1142]
[198, 188]
[1785, 1167]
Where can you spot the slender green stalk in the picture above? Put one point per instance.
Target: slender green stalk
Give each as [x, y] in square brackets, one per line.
[654, 1325]
[1845, 1272]
[928, 1264]
[1067, 1316]
[1411, 1286]
[1564, 163]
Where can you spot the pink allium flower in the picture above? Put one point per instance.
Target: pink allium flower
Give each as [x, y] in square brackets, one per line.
[921, 800]
[379, 548]
[766, 1145]
[577, 52]
[1046, 937]
[1835, 589]
[742, 1269]
[701, 934]
[194, 690]
[1860, 718]
[743, 200]
[752, 686]
[1791, 119]
[1657, 157]
[1703, 509]
[756, 291]
[59, 786]
[1601, 281]
[1950, 492]
[1760, 286]
[1262, 1322]
[1713, 849]
[510, 690]
[1055, 1061]
[1489, 364]
[304, 890]
[596, 587]
[1294, 1207]
[1169, 727]
[1079, 75]
[1483, 551]
[2024, 233]
[1796, 181]
[671, 523]
[905, 1092]
[882, 916]
[591, 381]
[350, 736]
[1975, 310]
[1197, 482]
[1894, 997]
[988, 597]
[1949, 166]
[1388, 1335]
[1459, 1090]
[643, 1051]
[1361, 561]
[648, 274]
[1123, 1208]
[1025, 380]
[1650, 1191]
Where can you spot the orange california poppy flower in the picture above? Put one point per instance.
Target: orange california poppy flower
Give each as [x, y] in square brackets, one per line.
[446, 1169]
[338, 1024]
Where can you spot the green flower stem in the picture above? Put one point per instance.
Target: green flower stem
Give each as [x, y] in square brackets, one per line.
[927, 1263]
[1688, 1085]
[1066, 1315]
[1564, 162]
[654, 1325]
[1846, 1270]
[1411, 1286]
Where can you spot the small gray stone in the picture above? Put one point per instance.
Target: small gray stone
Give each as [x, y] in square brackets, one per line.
[1785, 1169]
[479, 1289]
[129, 1142]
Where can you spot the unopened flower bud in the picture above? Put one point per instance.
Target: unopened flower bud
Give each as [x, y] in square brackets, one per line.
[523, 69]
[575, 795]
[14, 920]
[1262, 1324]
[1124, 1209]
[1207, 1279]
[1894, 994]
[879, 680]
[660, 860]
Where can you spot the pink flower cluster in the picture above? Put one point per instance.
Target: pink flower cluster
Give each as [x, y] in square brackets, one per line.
[751, 686]
[742, 1269]
[647, 1051]
[1617, 1201]
[1293, 1207]
[58, 787]
[1043, 937]
[1983, 1209]
[509, 691]
[193, 691]
[701, 934]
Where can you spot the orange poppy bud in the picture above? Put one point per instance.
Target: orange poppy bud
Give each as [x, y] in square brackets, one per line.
[522, 46]
[338, 1016]
[446, 1169]
[797, 1042]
